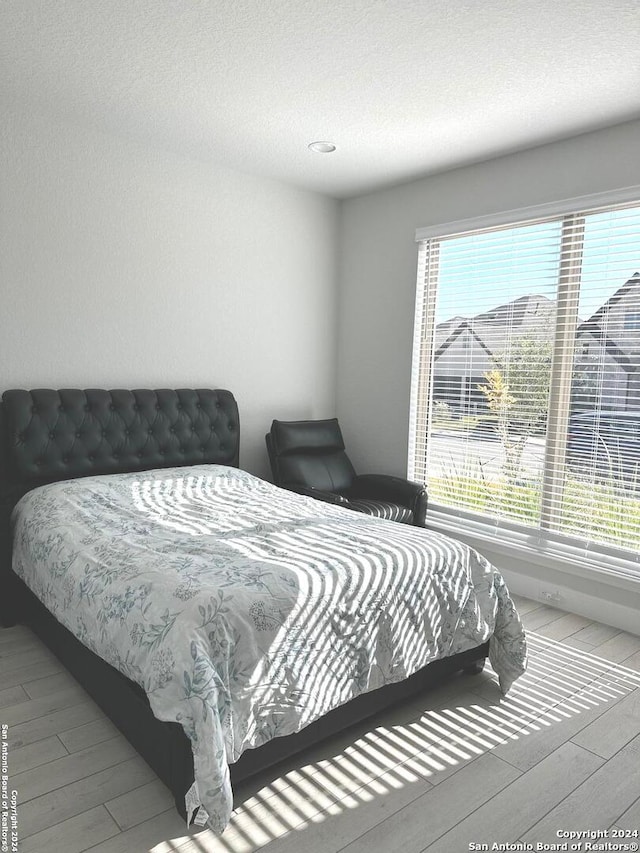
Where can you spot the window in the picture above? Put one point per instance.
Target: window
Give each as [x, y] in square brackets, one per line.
[632, 321]
[525, 410]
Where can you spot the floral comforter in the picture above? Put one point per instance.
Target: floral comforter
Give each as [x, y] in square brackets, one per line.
[245, 611]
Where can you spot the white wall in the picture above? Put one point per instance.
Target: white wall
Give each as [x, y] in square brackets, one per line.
[377, 269]
[123, 266]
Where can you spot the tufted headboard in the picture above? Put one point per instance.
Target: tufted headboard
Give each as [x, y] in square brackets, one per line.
[48, 435]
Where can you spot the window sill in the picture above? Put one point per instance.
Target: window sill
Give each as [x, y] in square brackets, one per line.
[603, 568]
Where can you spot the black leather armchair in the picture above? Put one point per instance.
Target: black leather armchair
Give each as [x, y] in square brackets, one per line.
[309, 457]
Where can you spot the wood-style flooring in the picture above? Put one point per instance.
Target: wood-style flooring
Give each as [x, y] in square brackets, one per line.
[458, 765]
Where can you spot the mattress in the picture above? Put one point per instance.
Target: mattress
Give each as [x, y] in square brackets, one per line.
[245, 611]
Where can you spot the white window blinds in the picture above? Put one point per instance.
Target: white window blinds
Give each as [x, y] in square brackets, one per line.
[526, 377]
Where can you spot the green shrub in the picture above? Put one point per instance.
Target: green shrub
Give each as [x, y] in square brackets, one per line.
[603, 511]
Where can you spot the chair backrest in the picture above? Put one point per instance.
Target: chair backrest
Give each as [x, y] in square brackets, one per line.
[309, 453]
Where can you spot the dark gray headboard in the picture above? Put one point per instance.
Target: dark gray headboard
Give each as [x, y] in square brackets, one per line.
[48, 435]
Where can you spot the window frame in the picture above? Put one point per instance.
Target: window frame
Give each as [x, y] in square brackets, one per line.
[573, 554]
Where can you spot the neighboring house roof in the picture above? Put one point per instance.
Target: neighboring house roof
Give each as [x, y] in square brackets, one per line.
[630, 287]
[621, 345]
[534, 315]
[529, 315]
[462, 327]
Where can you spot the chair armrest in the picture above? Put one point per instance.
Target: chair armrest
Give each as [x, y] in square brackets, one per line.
[386, 487]
[396, 489]
[318, 494]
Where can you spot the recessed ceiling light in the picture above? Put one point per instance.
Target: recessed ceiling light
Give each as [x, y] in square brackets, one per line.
[322, 147]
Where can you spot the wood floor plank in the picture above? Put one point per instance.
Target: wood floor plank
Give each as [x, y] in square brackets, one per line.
[631, 818]
[140, 804]
[552, 684]
[70, 768]
[519, 806]
[12, 696]
[596, 634]
[619, 677]
[388, 749]
[287, 821]
[599, 801]
[44, 811]
[383, 749]
[495, 720]
[460, 688]
[73, 835]
[28, 673]
[459, 731]
[330, 789]
[611, 731]
[35, 754]
[432, 814]
[361, 769]
[525, 605]
[31, 709]
[543, 615]
[19, 643]
[565, 626]
[11, 660]
[16, 632]
[88, 734]
[556, 661]
[532, 746]
[532, 700]
[304, 798]
[566, 658]
[618, 648]
[633, 662]
[52, 724]
[578, 644]
[161, 834]
[345, 746]
[40, 687]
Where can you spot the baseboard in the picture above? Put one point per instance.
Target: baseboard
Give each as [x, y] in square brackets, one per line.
[553, 593]
[607, 597]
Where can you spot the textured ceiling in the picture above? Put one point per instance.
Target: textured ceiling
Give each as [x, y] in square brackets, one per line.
[403, 88]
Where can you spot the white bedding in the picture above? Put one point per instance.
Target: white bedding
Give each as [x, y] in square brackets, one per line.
[245, 611]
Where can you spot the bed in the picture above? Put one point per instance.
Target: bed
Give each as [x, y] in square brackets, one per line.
[221, 622]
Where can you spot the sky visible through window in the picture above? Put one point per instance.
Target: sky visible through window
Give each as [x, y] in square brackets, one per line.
[481, 271]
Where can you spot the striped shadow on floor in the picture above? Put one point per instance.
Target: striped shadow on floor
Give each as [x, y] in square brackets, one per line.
[424, 776]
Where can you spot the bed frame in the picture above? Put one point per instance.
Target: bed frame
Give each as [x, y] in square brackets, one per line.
[50, 435]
